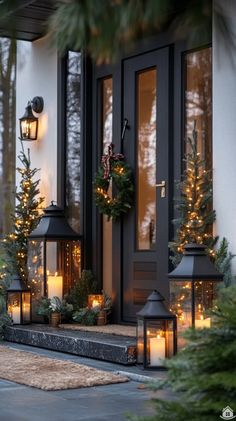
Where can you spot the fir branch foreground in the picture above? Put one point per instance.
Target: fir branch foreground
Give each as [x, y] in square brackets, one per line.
[203, 374]
[105, 28]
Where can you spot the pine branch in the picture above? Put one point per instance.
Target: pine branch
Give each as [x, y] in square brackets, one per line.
[24, 220]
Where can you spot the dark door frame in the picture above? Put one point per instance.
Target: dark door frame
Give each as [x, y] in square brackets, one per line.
[91, 138]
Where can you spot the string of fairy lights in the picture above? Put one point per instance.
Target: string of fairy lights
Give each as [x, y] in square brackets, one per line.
[24, 219]
[104, 193]
[193, 228]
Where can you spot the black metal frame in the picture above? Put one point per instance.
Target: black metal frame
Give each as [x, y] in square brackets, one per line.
[147, 366]
[86, 150]
[20, 290]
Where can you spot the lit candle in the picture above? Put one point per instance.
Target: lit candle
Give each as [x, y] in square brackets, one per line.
[157, 350]
[201, 323]
[55, 286]
[15, 313]
[95, 303]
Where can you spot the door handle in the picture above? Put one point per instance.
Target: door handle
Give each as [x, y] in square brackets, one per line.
[162, 185]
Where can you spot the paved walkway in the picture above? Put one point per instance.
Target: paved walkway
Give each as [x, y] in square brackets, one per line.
[101, 403]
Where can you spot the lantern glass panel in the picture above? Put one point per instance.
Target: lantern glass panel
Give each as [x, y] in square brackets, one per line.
[54, 268]
[29, 129]
[36, 274]
[181, 305]
[96, 300]
[156, 342]
[26, 313]
[72, 264]
[63, 267]
[14, 306]
[140, 341]
[205, 293]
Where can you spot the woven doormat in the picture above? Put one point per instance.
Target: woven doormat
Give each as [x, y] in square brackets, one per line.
[50, 374]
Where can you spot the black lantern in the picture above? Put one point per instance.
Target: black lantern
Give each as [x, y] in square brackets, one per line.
[19, 301]
[54, 257]
[193, 288]
[156, 333]
[29, 123]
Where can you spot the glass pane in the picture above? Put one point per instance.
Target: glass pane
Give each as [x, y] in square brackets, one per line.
[156, 342]
[198, 100]
[140, 342]
[26, 306]
[35, 274]
[181, 305]
[14, 303]
[146, 159]
[107, 98]
[73, 127]
[205, 294]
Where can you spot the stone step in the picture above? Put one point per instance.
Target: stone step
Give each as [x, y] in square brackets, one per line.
[113, 348]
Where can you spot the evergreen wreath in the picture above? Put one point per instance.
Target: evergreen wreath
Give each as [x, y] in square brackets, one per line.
[113, 168]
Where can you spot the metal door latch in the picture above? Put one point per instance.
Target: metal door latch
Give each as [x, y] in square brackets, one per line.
[162, 185]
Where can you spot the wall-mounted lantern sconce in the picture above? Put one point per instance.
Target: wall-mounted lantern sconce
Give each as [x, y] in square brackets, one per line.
[29, 123]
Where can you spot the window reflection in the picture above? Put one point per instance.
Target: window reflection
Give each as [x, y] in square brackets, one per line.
[146, 160]
[107, 120]
[73, 122]
[198, 100]
[7, 133]
[107, 112]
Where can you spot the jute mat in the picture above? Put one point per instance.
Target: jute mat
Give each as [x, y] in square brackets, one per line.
[50, 374]
[121, 330]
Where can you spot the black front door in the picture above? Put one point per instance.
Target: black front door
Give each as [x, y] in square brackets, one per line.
[146, 98]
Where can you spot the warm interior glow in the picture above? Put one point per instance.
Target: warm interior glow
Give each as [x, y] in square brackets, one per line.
[95, 303]
[146, 160]
[95, 300]
[28, 129]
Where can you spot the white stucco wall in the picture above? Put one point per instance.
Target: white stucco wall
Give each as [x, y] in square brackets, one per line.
[37, 76]
[224, 129]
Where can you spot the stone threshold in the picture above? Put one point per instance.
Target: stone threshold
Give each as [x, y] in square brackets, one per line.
[105, 347]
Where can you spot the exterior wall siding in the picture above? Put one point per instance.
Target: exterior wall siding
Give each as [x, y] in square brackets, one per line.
[37, 76]
[224, 131]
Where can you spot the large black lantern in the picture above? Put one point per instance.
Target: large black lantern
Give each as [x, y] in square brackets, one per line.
[19, 301]
[54, 257]
[29, 122]
[156, 333]
[193, 288]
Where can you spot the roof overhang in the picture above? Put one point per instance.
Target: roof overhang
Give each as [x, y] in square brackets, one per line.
[27, 19]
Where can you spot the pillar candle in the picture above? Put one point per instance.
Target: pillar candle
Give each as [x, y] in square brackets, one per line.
[55, 286]
[157, 351]
[15, 311]
[201, 323]
[95, 303]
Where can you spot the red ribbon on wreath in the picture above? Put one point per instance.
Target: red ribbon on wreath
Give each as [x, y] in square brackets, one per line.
[107, 158]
